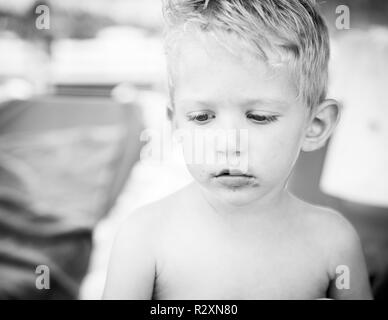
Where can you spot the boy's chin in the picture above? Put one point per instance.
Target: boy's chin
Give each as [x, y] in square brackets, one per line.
[236, 197]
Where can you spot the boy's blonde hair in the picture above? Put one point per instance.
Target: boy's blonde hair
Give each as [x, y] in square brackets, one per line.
[292, 30]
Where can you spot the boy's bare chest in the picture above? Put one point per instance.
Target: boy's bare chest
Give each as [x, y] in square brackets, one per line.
[196, 264]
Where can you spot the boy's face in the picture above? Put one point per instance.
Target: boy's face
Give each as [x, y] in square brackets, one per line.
[217, 89]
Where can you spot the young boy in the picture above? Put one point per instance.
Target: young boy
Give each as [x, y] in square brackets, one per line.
[259, 66]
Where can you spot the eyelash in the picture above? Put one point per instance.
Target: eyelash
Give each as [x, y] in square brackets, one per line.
[194, 117]
[263, 119]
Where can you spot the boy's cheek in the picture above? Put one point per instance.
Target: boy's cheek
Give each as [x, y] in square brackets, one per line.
[275, 159]
[200, 173]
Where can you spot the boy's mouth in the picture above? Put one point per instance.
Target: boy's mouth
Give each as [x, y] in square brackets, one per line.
[232, 173]
[234, 178]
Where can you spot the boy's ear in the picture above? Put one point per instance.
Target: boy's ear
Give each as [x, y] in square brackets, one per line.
[321, 125]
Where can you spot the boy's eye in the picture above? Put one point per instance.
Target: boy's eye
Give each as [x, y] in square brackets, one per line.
[262, 119]
[201, 117]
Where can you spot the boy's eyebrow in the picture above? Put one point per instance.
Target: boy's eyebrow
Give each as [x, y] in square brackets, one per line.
[278, 103]
[192, 102]
[282, 104]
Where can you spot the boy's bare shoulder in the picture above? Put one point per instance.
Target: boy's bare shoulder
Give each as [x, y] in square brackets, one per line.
[333, 231]
[340, 247]
[325, 221]
[140, 233]
[154, 215]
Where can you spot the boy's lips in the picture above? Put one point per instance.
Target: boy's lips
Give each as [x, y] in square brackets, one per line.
[234, 178]
[232, 173]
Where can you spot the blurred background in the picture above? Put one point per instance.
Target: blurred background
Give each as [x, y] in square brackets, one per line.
[74, 99]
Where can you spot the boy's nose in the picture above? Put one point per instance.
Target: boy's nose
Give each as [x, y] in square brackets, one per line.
[232, 157]
[233, 142]
[233, 138]
[229, 152]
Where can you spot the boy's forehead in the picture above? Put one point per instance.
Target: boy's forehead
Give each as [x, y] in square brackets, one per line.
[204, 66]
[212, 48]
